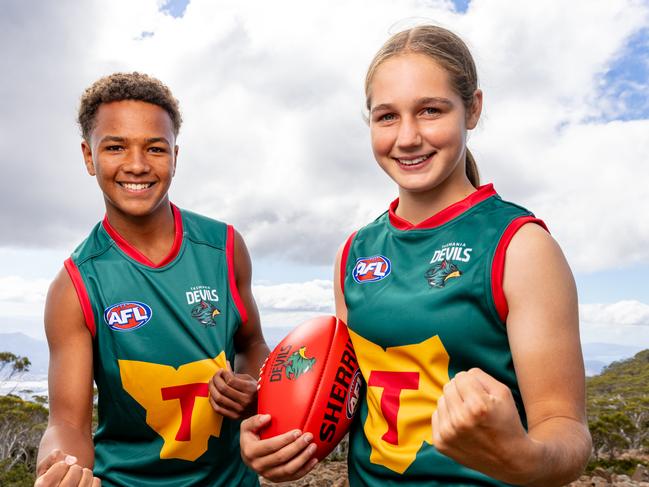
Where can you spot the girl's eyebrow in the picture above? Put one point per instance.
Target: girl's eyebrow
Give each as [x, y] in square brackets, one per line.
[435, 99]
[382, 106]
[421, 101]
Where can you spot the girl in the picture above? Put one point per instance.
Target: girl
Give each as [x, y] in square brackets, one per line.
[465, 326]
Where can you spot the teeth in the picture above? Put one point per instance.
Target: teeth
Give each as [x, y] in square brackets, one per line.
[412, 162]
[136, 186]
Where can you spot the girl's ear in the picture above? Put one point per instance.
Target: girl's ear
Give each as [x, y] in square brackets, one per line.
[87, 157]
[476, 109]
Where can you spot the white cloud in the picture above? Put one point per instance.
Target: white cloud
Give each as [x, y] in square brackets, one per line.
[20, 297]
[623, 313]
[289, 304]
[622, 323]
[274, 140]
[316, 295]
[22, 301]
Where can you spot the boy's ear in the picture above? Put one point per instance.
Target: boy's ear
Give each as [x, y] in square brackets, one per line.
[175, 159]
[87, 157]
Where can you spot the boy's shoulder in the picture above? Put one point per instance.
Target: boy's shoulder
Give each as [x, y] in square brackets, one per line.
[203, 229]
[96, 243]
[199, 219]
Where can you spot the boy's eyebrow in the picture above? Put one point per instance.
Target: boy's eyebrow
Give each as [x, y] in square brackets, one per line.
[151, 140]
[112, 138]
[420, 101]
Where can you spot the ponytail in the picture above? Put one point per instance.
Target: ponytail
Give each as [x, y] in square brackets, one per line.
[472, 169]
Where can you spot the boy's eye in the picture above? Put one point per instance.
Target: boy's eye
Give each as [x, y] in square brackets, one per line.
[114, 147]
[157, 150]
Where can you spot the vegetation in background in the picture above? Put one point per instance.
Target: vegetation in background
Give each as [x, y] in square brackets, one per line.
[618, 414]
[21, 426]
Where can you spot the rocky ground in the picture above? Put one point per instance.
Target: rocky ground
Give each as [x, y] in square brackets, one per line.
[601, 478]
[334, 474]
[325, 474]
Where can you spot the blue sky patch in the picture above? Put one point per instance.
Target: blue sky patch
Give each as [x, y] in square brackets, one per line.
[145, 35]
[461, 5]
[175, 8]
[610, 286]
[625, 86]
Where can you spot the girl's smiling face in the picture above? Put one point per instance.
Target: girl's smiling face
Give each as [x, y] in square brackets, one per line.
[418, 122]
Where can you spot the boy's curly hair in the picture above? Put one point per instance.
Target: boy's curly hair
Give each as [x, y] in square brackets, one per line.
[126, 86]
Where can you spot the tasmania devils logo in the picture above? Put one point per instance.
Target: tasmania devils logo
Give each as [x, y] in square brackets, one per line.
[290, 366]
[442, 272]
[298, 363]
[127, 315]
[371, 269]
[205, 313]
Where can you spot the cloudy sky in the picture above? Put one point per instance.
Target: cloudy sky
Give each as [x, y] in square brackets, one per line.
[274, 139]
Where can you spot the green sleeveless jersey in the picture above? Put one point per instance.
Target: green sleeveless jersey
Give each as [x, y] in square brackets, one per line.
[161, 331]
[425, 302]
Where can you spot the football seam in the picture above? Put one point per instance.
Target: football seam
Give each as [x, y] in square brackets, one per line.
[321, 378]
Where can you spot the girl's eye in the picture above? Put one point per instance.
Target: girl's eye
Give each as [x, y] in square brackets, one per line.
[431, 111]
[388, 117]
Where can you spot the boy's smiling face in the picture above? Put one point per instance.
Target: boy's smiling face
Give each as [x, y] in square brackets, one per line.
[132, 153]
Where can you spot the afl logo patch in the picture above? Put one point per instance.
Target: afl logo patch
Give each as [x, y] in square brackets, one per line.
[371, 269]
[353, 394]
[127, 315]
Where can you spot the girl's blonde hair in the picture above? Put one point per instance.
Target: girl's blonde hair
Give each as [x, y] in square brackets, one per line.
[447, 50]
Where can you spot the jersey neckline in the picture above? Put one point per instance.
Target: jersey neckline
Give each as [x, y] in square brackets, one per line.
[138, 256]
[443, 216]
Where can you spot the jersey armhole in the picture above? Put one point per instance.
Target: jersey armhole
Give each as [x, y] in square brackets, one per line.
[343, 260]
[498, 263]
[82, 294]
[234, 290]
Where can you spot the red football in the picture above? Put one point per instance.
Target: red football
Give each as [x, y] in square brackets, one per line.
[311, 382]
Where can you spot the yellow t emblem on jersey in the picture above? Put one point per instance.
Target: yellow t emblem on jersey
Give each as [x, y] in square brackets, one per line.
[403, 385]
[176, 403]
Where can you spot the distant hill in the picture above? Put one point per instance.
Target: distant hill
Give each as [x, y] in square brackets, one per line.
[35, 350]
[626, 378]
[599, 355]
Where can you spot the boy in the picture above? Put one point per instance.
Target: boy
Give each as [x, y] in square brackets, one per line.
[154, 305]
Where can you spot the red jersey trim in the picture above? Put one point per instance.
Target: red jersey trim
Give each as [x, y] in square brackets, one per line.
[82, 294]
[447, 214]
[343, 260]
[229, 255]
[138, 256]
[498, 264]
